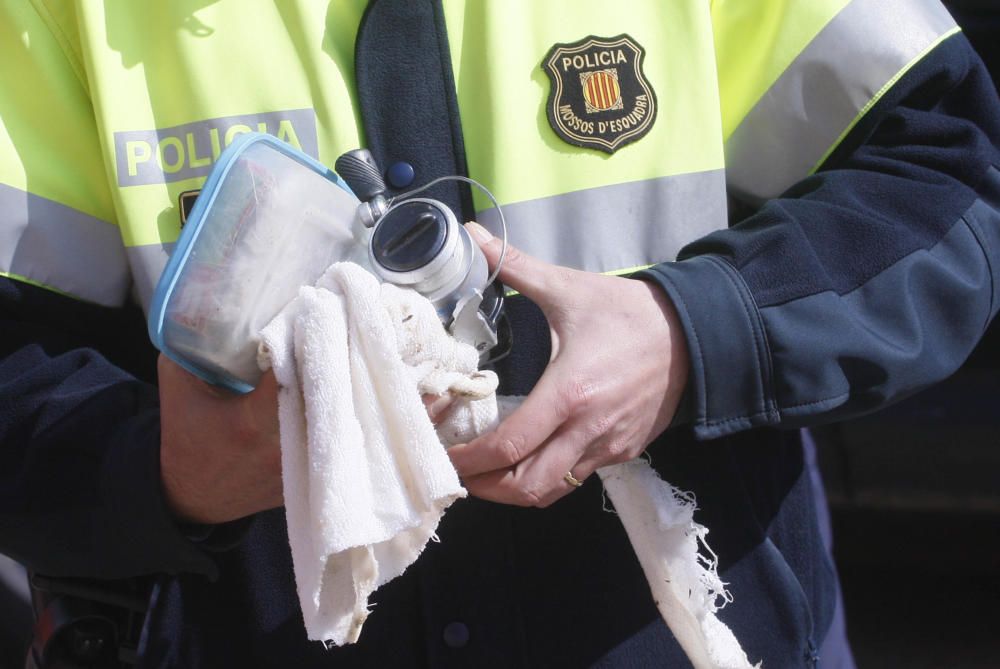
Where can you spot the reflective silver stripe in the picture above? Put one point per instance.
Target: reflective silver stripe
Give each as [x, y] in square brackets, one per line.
[617, 227]
[147, 263]
[819, 96]
[603, 229]
[61, 248]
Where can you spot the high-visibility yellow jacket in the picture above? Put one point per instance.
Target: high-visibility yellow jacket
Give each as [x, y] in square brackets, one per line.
[861, 132]
[112, 111]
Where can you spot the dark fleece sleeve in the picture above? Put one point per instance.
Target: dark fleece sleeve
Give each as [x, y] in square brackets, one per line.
[80, 490]
[865, 282]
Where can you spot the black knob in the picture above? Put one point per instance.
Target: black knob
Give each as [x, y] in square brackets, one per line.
[409, 236]
[359, 169]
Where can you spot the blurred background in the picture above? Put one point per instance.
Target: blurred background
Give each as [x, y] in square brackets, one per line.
[914, 495]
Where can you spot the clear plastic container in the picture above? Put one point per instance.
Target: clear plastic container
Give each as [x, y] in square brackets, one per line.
[269, 220]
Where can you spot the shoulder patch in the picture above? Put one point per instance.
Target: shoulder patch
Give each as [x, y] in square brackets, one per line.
[600, 98]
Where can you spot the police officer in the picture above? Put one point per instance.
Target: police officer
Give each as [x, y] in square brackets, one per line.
[823, 173]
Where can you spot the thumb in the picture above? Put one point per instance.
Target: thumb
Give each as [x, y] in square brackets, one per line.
[526, 274]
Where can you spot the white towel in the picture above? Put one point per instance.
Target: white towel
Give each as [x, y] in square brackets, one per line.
[366, 477]
[364, 474]
[659, 521]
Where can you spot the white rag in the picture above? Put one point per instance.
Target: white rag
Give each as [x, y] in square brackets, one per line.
[366, 478]
[364, 475]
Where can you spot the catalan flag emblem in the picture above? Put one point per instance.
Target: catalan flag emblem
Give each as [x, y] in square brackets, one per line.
[600, 98]
[601, 91]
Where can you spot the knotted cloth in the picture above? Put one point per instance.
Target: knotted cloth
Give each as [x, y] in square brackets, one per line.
[366, 477]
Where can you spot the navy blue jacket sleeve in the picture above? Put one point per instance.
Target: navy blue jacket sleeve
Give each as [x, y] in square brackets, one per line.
[864, 283]
[80, 490]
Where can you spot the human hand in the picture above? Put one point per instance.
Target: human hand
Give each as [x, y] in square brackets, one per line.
[618, 369]
[438, 407]
[220, 455]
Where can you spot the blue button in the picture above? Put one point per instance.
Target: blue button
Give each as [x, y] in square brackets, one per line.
[456, 635]
[401, 175]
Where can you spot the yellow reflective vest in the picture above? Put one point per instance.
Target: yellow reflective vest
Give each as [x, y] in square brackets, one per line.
[611, 138]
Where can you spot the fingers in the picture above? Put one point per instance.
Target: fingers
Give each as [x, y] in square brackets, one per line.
[220, 456]
[558, 430]
[533, 278]
[519, 435]
[491, 246]
[538, 480]
[525, 460]
[438, 407]
[268, 384]
[614, 380]
[261, 406]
